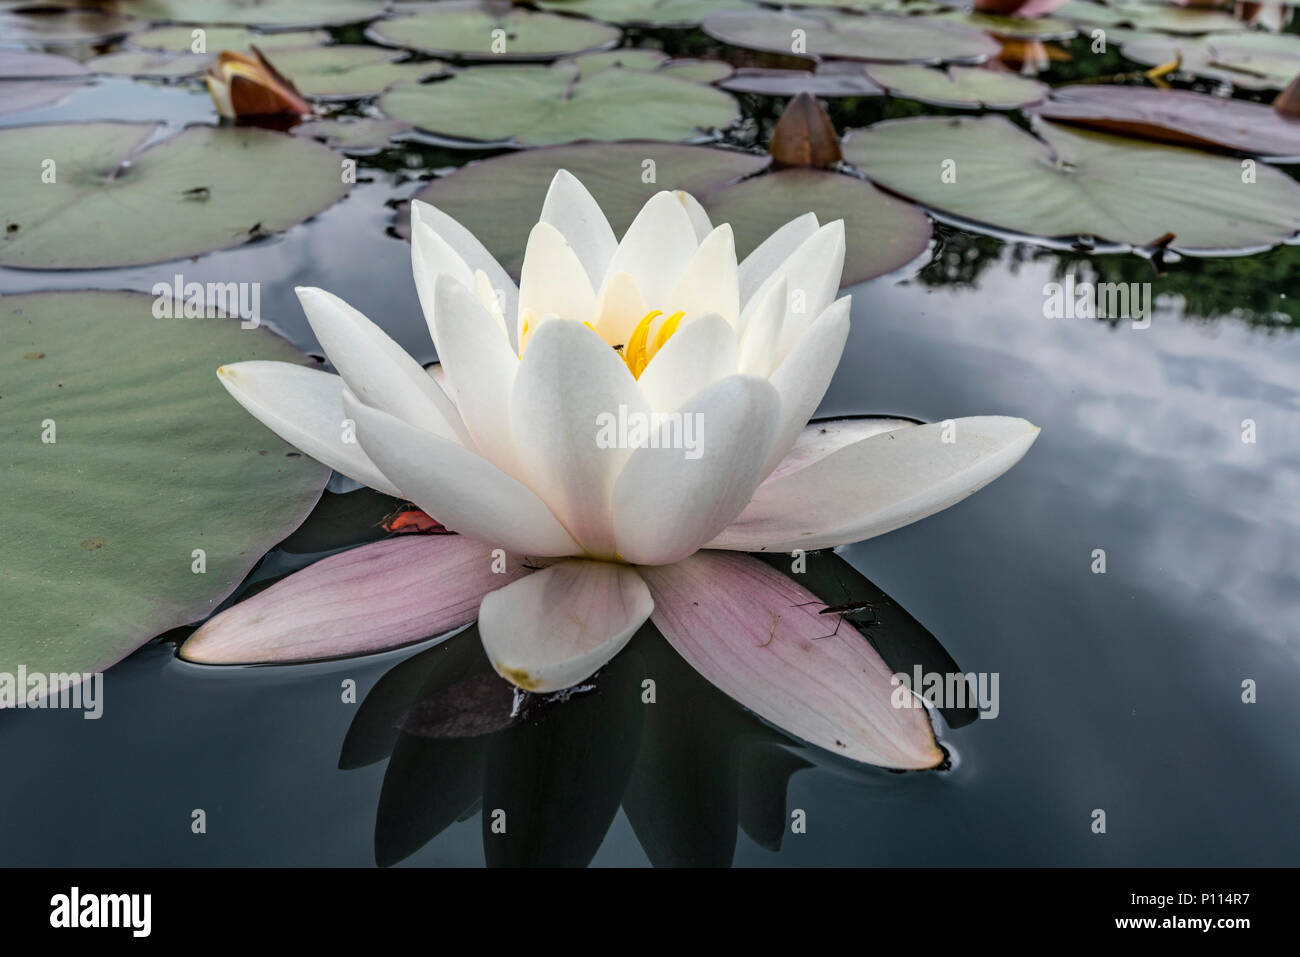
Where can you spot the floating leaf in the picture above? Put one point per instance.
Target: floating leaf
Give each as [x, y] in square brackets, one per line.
[1251, 61]
[1019, 9]
[262, 13]
[652, 61]
[58, 26]
[830, 79]
[1076, 183]
[181, 39]
[1020, 27]
[366, 134]
[117, 203]
[545, 105]
[466, 29]
[1142, 15]
[1175, 116]
[29, 81]
[958, 86]
[880, 38]
[645, 13]
[26, 65]
[499, 199]
[150, 64]
[347, 72]
[123, 457]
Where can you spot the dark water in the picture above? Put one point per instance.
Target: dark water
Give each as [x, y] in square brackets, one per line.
[1119, 691]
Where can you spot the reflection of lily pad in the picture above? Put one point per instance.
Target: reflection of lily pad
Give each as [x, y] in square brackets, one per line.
[958, 86]
[833, 78]
[467, 29]
[1141, 15]
[868, 37]
[1252, 61]
[1076, 183]
[150, 63]
[1175, 116]
[116, 204]
[645, 13]
[150, 460]
[346, 72]
[263, 13]
[544, 105]
[498, 199]
[215, 39]
[365, 134]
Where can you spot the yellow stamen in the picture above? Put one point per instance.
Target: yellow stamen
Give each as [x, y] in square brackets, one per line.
[641, 348]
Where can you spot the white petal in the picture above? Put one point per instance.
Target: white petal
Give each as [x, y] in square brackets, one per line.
[491, 302]
[812, 274]
[619, 309]
[469, 249]
[481, 367]
[459, 488]
[575, 213]
[378, 371]
[708, 284]
[552, 281]
[304, 407]
[568, 378]
[698, 354]
[878, 484]
[656, 248]
[559, 625]
[698, 217]
[670, 500]
[432, 256]
[767, 257]
[820, 439]
[758, 345]
[804, 375]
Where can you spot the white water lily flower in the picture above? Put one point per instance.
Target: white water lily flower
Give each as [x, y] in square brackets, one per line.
[503, 448]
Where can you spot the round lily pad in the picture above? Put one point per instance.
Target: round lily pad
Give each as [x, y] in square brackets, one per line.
[1251, 61]
[29, 81]
[262, 13]
[645, 13]
[28, 65]
[958, 86]
[471, 31]
[151, 63]
[1022, 28]
[216, 39]
[830, 79]
[115, 202]
[137, 494]
[499, 198]
[1175, 116]
[367, 134]
[344, 72]
[58, 26]
[652, 61]
[851, 37]
[1073, 183]
[545, 105]
[1141, 15]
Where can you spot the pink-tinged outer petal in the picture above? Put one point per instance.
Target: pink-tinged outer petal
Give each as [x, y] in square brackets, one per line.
[364, 600]
[561, 624]
[820, 439]
[757, 636]
[878, 484]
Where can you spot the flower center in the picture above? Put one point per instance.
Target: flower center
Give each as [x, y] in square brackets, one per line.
[649, 337]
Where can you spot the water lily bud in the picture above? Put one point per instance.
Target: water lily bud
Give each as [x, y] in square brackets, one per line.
[805, 136]
[1288, 101]
[243, 86]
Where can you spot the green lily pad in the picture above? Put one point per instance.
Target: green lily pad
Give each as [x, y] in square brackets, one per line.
[57, 26]
[27, 65]
[367, 134]
[261, 13]
[652, 61]
[499, 198]
[1175, 116]
[958, 86]
[830, 79]
[545, 105]
[216, 39]
[1073, 183]
[151, 63]
[150, 460]
[852, 37]
[1251, 61]
[115, 202]
[345, 72]
[645, 13]
[1021, 28]
[1148, 16]
[468, 29]
[29, 81]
